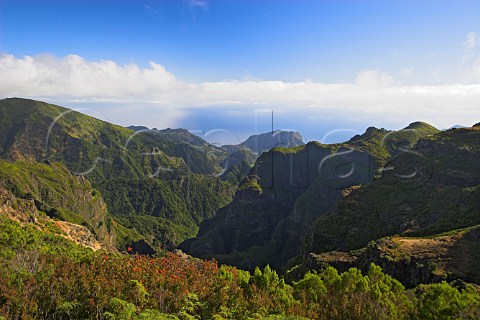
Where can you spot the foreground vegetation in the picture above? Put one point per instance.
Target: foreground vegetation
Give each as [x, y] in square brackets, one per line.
[45, 276]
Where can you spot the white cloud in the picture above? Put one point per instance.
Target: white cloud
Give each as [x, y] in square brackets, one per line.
[47, 75]
[476, 67]
[155, 92]
[469, 45]
[470, 40]
[198, 4]
[374, 78]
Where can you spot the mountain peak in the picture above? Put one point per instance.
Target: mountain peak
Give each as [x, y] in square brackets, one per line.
[137, 128]
[374, 129]
[420, 125]
[369, 133]
[265, 141]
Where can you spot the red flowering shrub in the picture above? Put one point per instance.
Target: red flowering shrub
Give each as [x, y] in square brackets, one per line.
[99, 286]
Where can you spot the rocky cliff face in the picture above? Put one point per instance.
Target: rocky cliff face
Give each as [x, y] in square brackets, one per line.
[288, 189]
[274, 206]
[431, 189]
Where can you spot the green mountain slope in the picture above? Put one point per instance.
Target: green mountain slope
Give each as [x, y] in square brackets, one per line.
[384, 144]
[54, 191]
[435, 188]
[140, 175]
[264, 225]
[199, 156]
[288, 189]
[37, 130]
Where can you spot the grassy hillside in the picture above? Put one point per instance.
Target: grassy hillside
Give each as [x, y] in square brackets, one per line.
[161, 183]
[53, 190]
[384, 144]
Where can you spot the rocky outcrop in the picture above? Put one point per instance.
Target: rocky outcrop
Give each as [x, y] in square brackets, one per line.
[413, 261]
[52, 190]
[25, 212]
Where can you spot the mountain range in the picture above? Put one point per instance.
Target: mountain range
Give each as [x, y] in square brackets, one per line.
[154, 187]
[289, 189]
[408, 200]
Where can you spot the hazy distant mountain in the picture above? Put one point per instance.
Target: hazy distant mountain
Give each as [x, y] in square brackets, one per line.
[457, 126]
[179, 135]
[138, 128]
[241, 157]
[263, 142]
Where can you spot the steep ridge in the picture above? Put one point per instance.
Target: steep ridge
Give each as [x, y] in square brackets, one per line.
[199, 156]
[263, 224]
[385, 144]
[151, 182]
[288, 189]
[241, 157]
[432, 189]
[36, 130]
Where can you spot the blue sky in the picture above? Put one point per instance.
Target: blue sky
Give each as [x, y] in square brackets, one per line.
[201, 64]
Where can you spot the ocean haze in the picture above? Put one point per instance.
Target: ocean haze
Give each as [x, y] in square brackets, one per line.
[227, 124]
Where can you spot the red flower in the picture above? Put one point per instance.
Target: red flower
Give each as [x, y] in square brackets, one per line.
[129, 249]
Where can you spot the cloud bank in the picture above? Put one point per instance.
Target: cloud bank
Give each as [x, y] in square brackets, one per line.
[372, 95]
